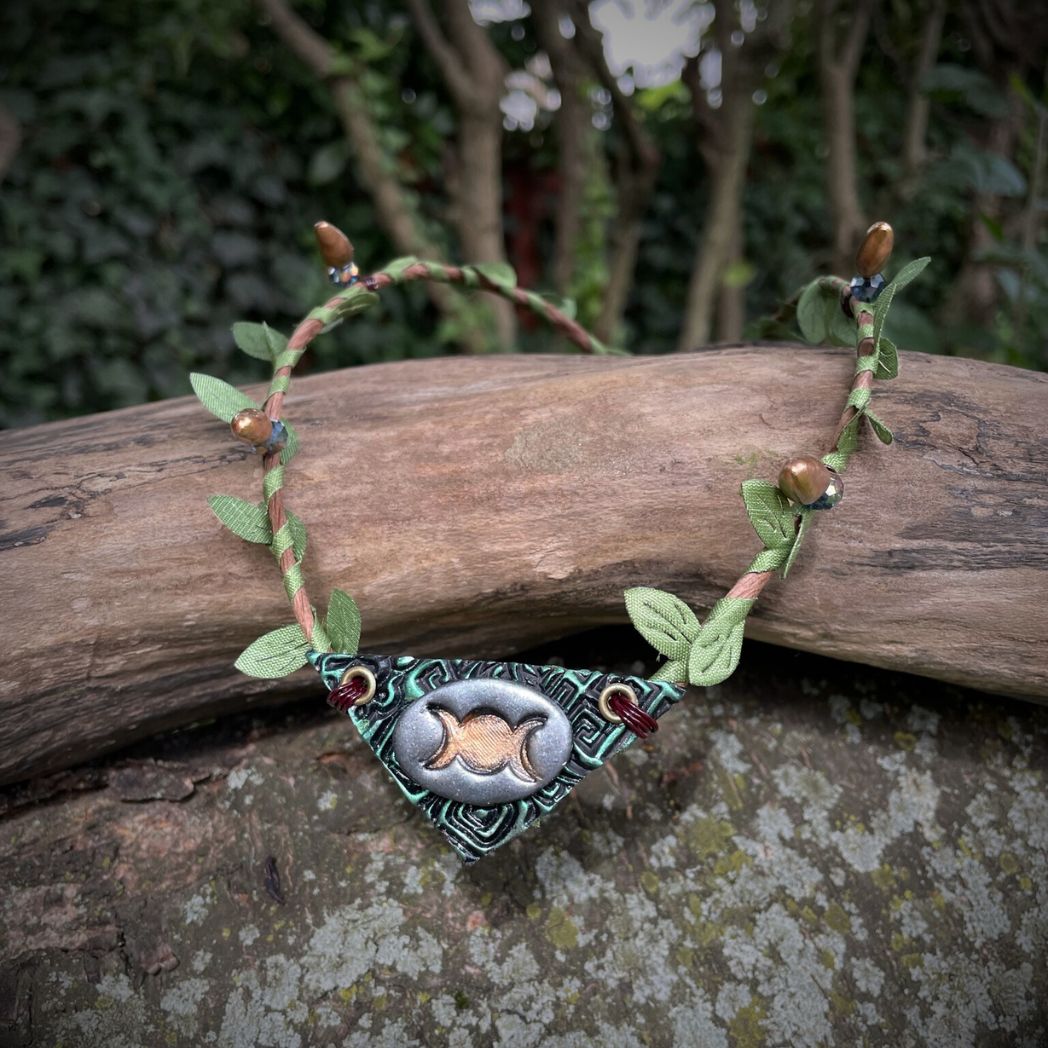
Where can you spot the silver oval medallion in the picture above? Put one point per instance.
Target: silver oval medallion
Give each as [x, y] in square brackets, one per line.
[483, 742]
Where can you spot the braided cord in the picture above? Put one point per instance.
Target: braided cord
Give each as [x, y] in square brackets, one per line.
[346, 302]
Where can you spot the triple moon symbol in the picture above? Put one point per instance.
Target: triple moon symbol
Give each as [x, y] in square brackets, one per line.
[485, 743]
[482, 741]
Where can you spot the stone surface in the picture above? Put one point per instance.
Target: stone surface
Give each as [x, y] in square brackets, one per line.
[811, 854]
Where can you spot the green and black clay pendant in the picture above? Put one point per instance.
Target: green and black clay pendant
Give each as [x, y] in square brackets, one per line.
[485, 749]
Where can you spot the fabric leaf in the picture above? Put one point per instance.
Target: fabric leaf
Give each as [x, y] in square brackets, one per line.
[291, 447]
[801, 532]
[567, 306]
[275, 654]
[395, 268]
[220, 398]
[884, 434]
[887, 359]
[343, 623]
[910, 272]
[675, 671]
[259, 340]
[812, 315]
[298, 534]
[769, 512]
[247, 520]
[662, 619]
[716, 650]
[498, 273]
[906, 275]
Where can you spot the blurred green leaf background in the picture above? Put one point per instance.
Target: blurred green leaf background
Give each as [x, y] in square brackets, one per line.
[162, 165]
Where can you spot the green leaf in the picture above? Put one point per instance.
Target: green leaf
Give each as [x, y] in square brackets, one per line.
[675, 671]
[275, 654]
[259, 340]
[769, 512]
[909, 273]
[298, 534]
[812, 315]
[343, 622]
[220, 398]
[801, 532]
[498, 273]
[566, 306]
[395, 268]
[905, 276]
[842, 328]
[250, 521]
[884, 434]
[662, 619]
[887, 359]
[291, 447]
[356, 302]
[716, 650]
[247, 520]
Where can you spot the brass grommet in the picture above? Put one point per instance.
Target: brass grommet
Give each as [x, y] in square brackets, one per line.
[361, 672]
[605, 696]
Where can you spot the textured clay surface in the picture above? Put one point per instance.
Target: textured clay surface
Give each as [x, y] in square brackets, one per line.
[811, 854]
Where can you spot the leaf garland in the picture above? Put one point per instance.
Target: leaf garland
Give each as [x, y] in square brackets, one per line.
[250, 521]
[770, 513]
[699, 653]
[343, 623]
[259, 340]
[275, 654]
[218, 397]
[707, 653]
[663, 620]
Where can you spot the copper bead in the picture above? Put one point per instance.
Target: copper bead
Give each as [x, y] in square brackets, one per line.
[875, 249]
[335, 247]
[810, 483]
[252, 426]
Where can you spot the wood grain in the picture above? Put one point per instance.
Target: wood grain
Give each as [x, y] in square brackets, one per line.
[476, 506]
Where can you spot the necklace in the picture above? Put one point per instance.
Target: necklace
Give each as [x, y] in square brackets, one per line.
[485, 748]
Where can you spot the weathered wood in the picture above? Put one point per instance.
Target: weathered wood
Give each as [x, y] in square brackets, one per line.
[476, 506]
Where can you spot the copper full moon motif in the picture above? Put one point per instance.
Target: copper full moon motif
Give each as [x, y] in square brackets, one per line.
[483, 742]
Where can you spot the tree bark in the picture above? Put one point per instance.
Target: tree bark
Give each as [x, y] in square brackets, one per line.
[474, 73]
[838, 65]
[481, 505]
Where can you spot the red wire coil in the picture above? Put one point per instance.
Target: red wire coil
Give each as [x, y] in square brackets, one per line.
[641, 723]
[346, 695]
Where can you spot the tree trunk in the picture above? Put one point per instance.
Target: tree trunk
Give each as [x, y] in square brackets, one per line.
[573, 129]
[636, 168]
[731, 303]
[913, 140]
[474, 73]
[838, 66]
[721, 226]
[395, 213]
[481, 505]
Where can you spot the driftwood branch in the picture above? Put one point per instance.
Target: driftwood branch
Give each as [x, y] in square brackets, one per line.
[478, 506]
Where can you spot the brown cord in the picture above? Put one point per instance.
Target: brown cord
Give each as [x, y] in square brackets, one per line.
[748, 586]
[308, 330]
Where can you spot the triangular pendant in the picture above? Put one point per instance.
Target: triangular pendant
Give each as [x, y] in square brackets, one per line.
[485, 748]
